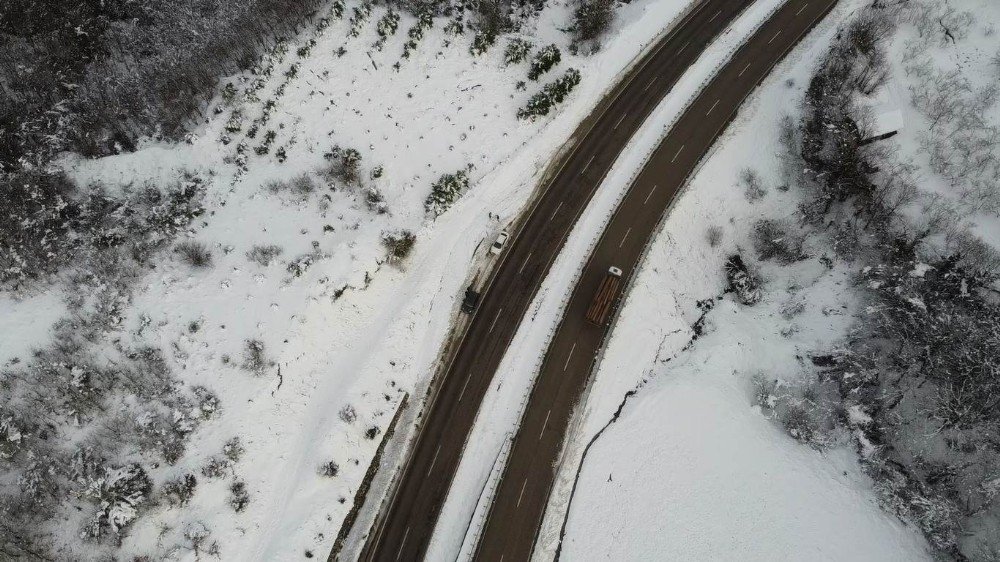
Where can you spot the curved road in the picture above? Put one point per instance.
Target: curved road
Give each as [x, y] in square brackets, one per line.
[403, 532]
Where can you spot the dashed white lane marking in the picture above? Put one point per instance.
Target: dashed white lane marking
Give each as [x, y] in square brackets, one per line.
[802, 8]
[495, 320]
[544, 424]
[622, 243]
[461, 394]
[713, 107]
[434, 460]
[400, 551]
[678, 153]
[588, 164]
[559, 206]
[519, 496]
[650, 83]
[570, 356]
[524, 264]
[685, 46]
[620, 120]
[775, 36]
[715, 16]
[650, 195]
[745, 68]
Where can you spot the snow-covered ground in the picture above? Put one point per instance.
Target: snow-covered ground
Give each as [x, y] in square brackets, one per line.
[347, 328]
[692, 469]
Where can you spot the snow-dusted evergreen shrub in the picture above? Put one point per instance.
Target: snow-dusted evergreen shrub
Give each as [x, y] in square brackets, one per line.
[592, 19]
[445, 191]
[742, 282]
[344, 165]
[348, 414]
[386, 27]
[329, 469]
[215, 467]
[255, 359]
[399, 244]
[425, 21]
[517, 50]
[552, 93]
[179, 491]
[119, 492]
[239, 496]
[233, 449]
[359, 15]
[543, 61]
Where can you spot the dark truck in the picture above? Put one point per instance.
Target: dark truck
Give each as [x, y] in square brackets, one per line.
[604, 299]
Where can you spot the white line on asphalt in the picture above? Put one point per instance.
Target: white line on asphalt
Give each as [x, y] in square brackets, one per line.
[461, 394]
[588, 164]
[715, 16]
[650, 83]
[681, 50]
[622, 243]
[434, 460]
[559, 206]
[650, 195]
[713, 107]
[678, 153]
[495, 320]
[522, 493]
[802, 8]
[545, 423]
[524, 264]
[745, 68]
[620, 121]
[775, 36]
[568, 357]
[400, 551]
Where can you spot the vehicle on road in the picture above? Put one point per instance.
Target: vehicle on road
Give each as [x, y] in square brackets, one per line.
[500, 242]
[604, 298]
[471, 300]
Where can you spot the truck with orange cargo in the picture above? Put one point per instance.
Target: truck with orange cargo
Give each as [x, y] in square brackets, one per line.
[605, 297]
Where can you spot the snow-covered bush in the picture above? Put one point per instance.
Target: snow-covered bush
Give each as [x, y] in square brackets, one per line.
[742, 282]
[445, 191]
[239, 496]
[399, 244]
[329, 469]
[773, 239]
[179, 491]
[344, 165]
[517, 50]
[543, 61]
[215, 467]
[119, 492]
[713, 235]
[386, 27]
[753, 188]
[552, 93]
[264, 254]
[233, 449]
[255, 359]
[591, 19]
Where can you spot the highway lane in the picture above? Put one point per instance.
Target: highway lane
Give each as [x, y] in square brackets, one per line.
[519, 506]
[403, 530]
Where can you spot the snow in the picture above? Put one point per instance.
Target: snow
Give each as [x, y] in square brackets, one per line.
[351, 329]
[26, 321]
[692, 470]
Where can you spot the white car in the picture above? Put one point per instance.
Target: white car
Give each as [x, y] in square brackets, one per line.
[500, 242]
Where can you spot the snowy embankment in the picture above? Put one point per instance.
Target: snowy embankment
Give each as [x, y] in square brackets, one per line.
[692, 469]
[298, 324]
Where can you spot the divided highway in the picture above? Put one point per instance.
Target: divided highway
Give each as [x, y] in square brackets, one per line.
[404, 530]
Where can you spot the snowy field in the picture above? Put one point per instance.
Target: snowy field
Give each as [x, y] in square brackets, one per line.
[306, 333]
[693, 469]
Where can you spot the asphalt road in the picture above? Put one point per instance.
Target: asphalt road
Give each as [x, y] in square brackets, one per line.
[403, 532]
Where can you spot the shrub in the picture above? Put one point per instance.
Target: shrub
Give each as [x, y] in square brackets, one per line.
[215, 467]
[753, 188]
[517, 50]
[329, 469]
[179, 491]
[592, 19]
[264, 255]
[445, 191]
[543, 61]
[348, 414]
[772, 240]
[195, 254]
[399, 244]
[552, 93]
[254, 358]
[239, 496]
[233, 449]
[744, 284]
[713, 235]
[372, 432]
